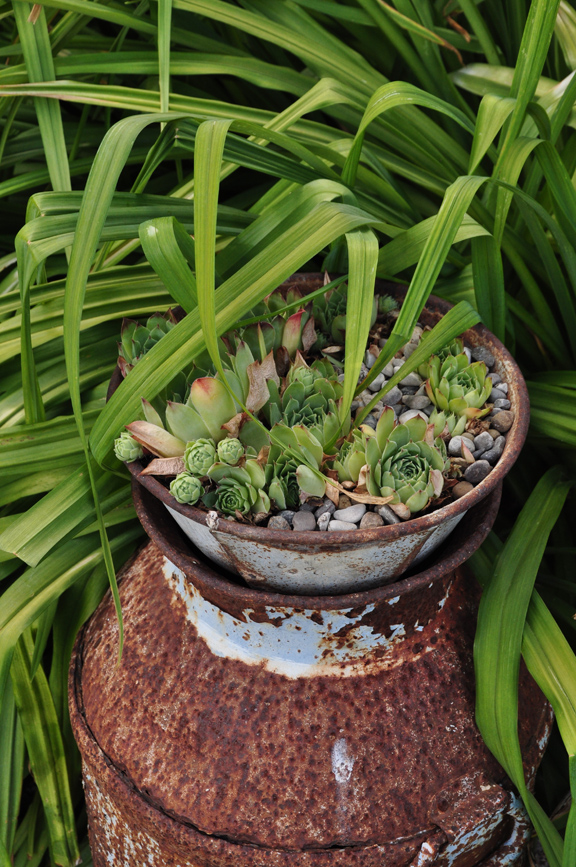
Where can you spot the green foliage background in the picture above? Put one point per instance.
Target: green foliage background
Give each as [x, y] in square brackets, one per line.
[432, 142]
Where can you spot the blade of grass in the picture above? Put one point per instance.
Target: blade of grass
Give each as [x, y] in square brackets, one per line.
[498, 641]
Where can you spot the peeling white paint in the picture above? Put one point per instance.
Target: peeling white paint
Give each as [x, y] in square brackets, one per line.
[293, 643]
[342, 761]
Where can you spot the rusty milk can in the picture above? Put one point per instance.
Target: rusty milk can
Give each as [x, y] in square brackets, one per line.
[246, 728]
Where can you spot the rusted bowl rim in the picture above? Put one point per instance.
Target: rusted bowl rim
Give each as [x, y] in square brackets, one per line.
[478, 335]
[225, 592]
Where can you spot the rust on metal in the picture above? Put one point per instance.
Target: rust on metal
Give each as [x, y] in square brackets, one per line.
[212, 745]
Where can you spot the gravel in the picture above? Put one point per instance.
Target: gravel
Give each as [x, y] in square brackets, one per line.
[462, 488]
[277, 522]
[304, 521]
[341, 525]
[483, 442]
[323, 521]
[502, 421]
[477, 471]
[388, 515]
[370, 521]
[481, 353]
[455, 447]
[352, 514]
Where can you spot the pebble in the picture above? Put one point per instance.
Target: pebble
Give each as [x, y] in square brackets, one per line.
[393, 396]
[483, 442]
[492, 456]
[388, 370]
[428, 409]
[352, 514]
[455, 447]
[462, 488]
[371, 421]
[277, 522]
[411, 413]
[304, 521]
[502, 404]
[344, 501]
[499, 443]
[467, 353]
[409, 389]
[495, 378]
[503, 386]
[382, 342]
[494, 433]
[324, 521]
[467, 435]
[388, 514]
[378, 383]
[326, 508]
[417, 401]
[502, 421]
[369, 360]
[477, 471]
[481, 353]
[341, 525]
[412, 379]
[371, 520]
[496, 394]
[288, 515]
[307, 507]
[409, 349]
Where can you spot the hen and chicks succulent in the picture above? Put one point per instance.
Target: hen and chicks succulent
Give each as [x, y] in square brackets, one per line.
[268, 435]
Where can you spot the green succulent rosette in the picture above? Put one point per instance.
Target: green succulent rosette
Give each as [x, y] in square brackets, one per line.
[137, 339]
[408, 466]
[186, 488]
[238, 489]
[199, 456]
[230, 451]
[458, 389]
[282, 481]
[126, 448]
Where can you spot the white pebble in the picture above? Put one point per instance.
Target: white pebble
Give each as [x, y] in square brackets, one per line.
[412, 380]
[455, 446]
[341, 525]
[353, 514]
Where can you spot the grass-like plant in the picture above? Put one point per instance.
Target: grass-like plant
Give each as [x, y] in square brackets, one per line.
[422, 142]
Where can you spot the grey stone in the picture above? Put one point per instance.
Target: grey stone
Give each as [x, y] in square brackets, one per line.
[369, 360]
[323, 521]
[371, 520]
[288, 515]
[477, 471]
[408, 390]
[467, 353]
[382, 342]
[495, 377]
[417, 401]
[388, 370]
[483, 442]
[496, 394]
[341, 525]
[502, 404]
[499, 443]
[304, 521]
[371, 421]
[307, 507]
[326, 507]
[393, 397]
[492, 456]
[378, 383]
[503, 386]
[277, 522]
[352, 514]
[409, 349]
[429, 409]
[412, 379]
[455, 447]
[388, 514]
[481, 353]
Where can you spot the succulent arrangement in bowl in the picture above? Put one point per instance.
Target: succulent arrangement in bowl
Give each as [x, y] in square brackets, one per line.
[267, 443]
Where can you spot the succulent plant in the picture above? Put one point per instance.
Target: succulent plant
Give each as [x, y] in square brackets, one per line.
[137, 339]
[230, 451]
[186, 488]
[458, 389]
[405, 462]
[309, 398]
[455, 348]
[199, 456]
[239, 489]
[286, 473]
[126, 448]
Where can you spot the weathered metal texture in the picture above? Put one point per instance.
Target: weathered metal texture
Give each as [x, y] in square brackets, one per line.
[330, 563]
[223, 739]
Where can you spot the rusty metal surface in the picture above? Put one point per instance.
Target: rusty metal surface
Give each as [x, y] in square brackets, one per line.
[315, 563]
[262, 765]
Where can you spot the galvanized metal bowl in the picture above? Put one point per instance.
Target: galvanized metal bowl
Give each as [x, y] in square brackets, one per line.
[316, 563]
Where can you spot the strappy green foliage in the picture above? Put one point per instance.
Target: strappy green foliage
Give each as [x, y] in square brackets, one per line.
[372, 138]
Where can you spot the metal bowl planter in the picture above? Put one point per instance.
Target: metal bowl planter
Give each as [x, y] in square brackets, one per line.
[245, 728]
[313, 563]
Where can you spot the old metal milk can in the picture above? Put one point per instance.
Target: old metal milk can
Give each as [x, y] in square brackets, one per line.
[251, 729]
